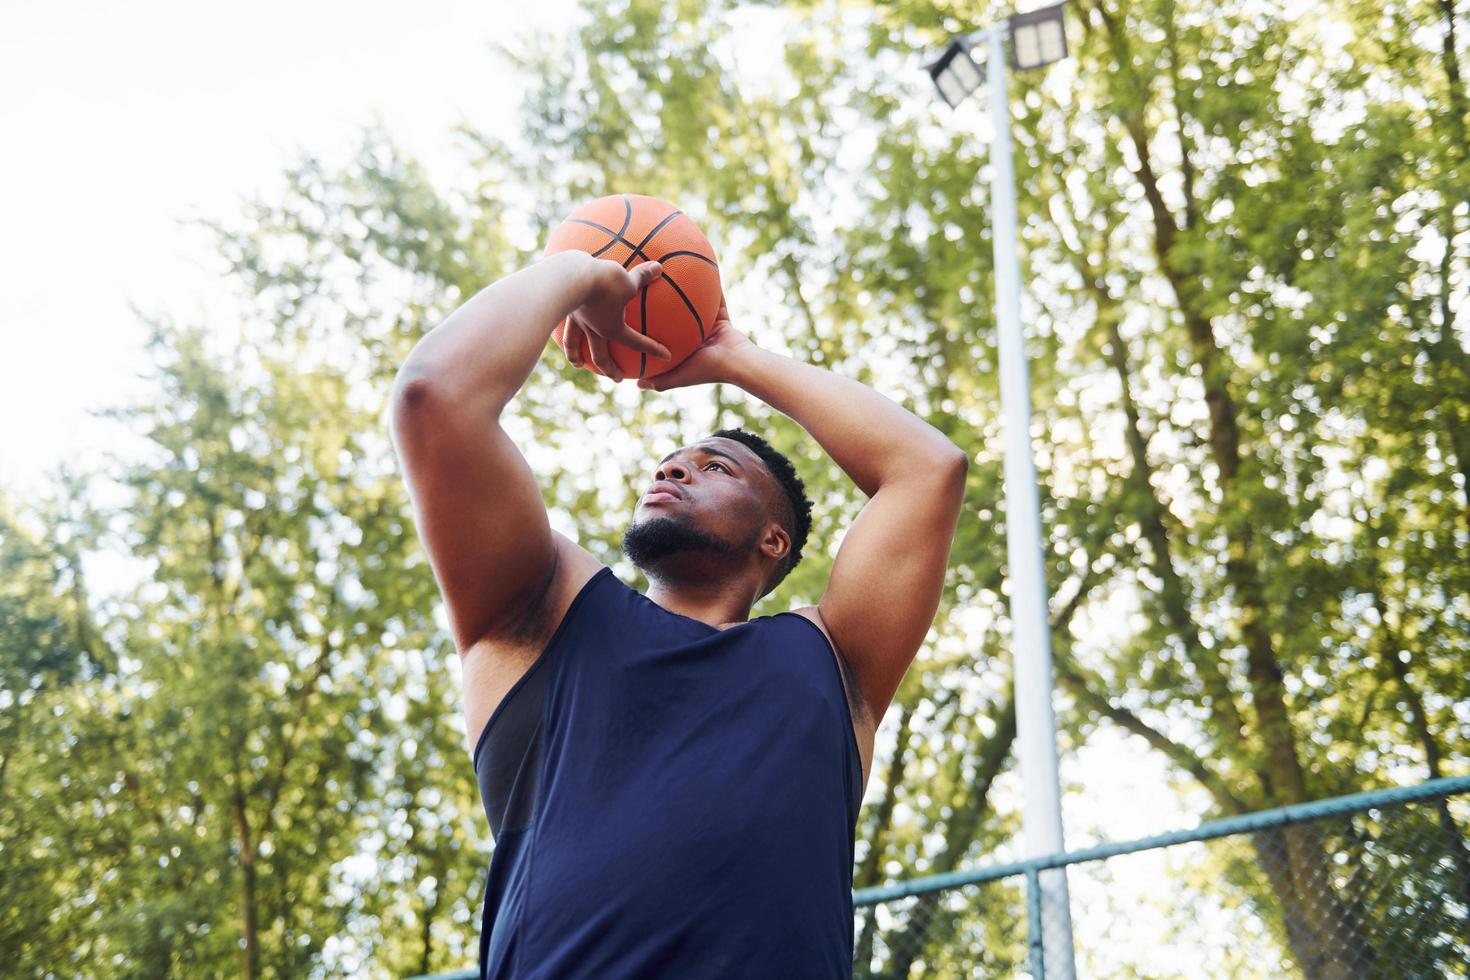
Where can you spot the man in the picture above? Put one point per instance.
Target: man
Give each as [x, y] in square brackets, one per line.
[673, 788]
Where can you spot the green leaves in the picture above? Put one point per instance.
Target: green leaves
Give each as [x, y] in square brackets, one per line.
[1245, 252]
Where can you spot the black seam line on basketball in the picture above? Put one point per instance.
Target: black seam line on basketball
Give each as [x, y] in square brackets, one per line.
[638, 251]
[698, 255]
[692, 311]
[608, 231]
[649, 237]
[618, 237]
[698, 321]
[627, 215]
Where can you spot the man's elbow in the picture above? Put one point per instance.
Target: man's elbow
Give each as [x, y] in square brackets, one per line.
[410, 384]
[955, 469]
[412, 392]
[419, 402]
[955, 463]
[941, 463]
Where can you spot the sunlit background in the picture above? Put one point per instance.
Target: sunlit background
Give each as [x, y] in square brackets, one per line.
[129, 129]
[128, 123]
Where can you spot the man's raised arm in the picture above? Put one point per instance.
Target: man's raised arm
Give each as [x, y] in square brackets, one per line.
[476, 503]
[889, 572]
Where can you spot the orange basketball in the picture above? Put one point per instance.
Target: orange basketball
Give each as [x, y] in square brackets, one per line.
[677, 309]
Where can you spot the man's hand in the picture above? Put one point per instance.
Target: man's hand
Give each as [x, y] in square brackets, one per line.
[710, 361]
[600, 318]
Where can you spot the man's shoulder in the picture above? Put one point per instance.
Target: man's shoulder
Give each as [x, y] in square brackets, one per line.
[814, 614]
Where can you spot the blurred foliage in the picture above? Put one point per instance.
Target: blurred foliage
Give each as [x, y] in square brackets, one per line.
[1245, 233]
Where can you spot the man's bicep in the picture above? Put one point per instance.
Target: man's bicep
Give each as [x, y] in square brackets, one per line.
[888, 577]
[479, 513]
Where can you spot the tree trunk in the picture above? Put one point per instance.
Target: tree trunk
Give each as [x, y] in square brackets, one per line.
[1320, 952]
[1459, 105]
[1454, 366]
[1325, 935]
[872, 866]
[19, 712]
[929, 923]
[1308, 900]
[250, 948]
[426, 943]
[1453, 371]
[1174, 595]
[1452, 838]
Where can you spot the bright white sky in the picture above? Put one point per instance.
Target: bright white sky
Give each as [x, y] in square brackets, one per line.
[122, 122]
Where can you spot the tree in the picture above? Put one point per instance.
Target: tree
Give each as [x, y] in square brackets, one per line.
[1245, 260]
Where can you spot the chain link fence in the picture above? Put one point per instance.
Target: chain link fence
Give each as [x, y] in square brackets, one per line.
[1374, 885]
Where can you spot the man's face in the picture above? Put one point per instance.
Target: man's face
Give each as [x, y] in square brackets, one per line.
[705, 504]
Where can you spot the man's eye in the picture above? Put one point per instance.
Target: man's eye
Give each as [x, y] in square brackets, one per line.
[720, 465]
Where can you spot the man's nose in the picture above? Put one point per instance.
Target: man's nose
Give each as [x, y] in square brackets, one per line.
[672, 471]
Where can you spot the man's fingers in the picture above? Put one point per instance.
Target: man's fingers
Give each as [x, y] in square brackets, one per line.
[572, 339]
[639, 342]
[603, 358]
[597, 344]
[676, 378]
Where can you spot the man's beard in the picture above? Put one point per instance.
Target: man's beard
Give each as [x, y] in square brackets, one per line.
[648, 543]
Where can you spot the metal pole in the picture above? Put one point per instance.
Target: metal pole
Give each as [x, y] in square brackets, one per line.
[1035, 723]
[1035, 950]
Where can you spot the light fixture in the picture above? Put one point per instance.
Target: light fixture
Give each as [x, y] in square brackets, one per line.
[1037, 38]
[955, 73]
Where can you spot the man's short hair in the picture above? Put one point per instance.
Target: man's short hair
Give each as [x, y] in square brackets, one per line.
[797, 510]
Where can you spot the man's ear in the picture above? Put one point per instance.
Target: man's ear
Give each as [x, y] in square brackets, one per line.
[776, 543]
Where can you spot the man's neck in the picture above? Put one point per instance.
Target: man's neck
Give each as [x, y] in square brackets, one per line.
[717, 604]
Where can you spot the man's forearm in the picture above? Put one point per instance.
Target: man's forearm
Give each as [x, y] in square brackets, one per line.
[872, 439]
[483, 352]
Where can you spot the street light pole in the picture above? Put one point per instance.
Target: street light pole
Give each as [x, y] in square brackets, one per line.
[1030, 625]
[1037, 38]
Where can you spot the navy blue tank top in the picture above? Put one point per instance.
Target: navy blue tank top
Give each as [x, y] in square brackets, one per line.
[669, 799]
